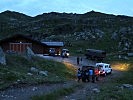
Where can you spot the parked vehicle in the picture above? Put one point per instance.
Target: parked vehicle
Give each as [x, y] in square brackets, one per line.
[95, 69]
[65, 53]
[52, 51]
[95, 54]
[104, 68]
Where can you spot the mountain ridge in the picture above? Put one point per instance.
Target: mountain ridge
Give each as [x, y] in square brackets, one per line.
[69, 27]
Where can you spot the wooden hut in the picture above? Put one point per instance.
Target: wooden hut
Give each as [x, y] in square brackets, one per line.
[19, 43]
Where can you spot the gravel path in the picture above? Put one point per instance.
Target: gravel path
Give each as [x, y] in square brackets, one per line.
[25, 93]
[82, 93]
[72, 60]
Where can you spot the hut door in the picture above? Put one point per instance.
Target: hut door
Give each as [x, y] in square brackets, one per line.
[20, 47]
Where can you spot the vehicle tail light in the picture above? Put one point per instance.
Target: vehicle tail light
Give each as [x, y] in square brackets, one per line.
[103, 71]
[99, 72]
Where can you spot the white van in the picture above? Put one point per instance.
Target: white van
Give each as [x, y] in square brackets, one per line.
[65, 53]
[52, 51]
[104, 68]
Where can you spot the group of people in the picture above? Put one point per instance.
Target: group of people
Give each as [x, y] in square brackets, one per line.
[87, 75]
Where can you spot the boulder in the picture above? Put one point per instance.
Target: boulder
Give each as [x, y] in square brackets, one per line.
[30, 74]
[2, 57]
[114, 36]
[34, 88]
[29, 53]
[126, 58]
[34, 70]
[96, 90]
[43, 73]
[130, 54]
[127, 85]
[119, 57]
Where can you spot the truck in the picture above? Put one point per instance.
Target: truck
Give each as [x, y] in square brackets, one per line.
[94, 54]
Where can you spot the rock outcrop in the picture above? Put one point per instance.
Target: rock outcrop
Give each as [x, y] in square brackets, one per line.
[29, 53]
[2, 57]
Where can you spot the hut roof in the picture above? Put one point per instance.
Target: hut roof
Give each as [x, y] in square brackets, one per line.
[59, 44]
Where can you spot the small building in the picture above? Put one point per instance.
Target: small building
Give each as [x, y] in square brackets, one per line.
[55, 45]
[19, 43]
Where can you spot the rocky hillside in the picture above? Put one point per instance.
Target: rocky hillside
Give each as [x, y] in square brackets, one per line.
[97, 29]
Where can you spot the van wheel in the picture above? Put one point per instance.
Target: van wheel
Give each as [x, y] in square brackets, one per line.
[110, 72]
[105, 74]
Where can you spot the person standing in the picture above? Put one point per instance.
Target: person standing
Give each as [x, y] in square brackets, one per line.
[96, 72]
[87, 75]
[79, 74]
[77, 60]
[81, 60]
[83, 75]
[91, 73]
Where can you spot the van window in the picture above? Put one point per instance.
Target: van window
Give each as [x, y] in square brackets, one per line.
[106, 66]
[67, 51]
[99, 65]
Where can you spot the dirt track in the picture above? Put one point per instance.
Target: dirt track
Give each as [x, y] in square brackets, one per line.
[24, 93]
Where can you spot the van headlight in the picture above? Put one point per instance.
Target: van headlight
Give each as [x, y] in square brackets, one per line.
[67, 54]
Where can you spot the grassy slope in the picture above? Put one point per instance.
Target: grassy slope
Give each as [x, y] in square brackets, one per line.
[17, 68]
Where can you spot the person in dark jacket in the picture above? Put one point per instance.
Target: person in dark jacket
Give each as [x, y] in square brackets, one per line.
[87, 75]
[77, 60]
[81, 60]
[79, 74]
[83, 75]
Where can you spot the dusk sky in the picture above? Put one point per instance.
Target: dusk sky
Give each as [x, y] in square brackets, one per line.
[36, 7]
